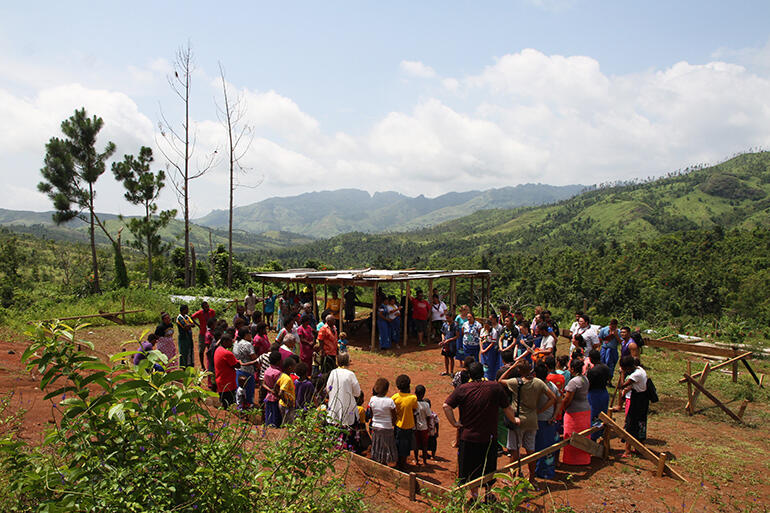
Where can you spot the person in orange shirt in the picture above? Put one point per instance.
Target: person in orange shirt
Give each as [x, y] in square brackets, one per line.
[406, 406]
[327, 338]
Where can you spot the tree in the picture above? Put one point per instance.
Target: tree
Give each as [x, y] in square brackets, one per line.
[143, 188]
[179, 148]
[231, 114]
[72, 166]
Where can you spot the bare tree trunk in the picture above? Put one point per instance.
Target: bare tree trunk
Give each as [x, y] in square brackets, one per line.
[94, 261]
[193, 265]
[186, 185]
[211, 261]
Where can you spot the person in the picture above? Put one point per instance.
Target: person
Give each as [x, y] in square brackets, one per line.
[553, 375]
[462, 376]
[422, 419]
[307, 346]
[269, 382]
[589, 334]
[342, 343]
[526, 391]
[547, 426]
[562, 367]
[609, 336]
[268, 304]
[420, 313]
[461, 318]
[327, 338]
[165, 343]
[240, 395]
[547, 344]
[288, 347]
[438, 311]
[471, 337]
[450, 335]
[144, 348]
[288, 328]
[250, 302]
[343, 389]
[628, 347]
[333, 304]
[350, 304]
[384, 324]
[489, 351]
[478, 402]
[286, 390]
[406, 407]
[395, 320]
[599, 376]
[260, 341]
[213, 334]
[383, 410]
[432, 432]
[504, 313]
[637, 401]
[573, 329]
[577, 413]
[509, 335]
[240, 315]
[263, 363]
[225, 364]
[303, 387]
[201, 318]
[537, 319]
[243, 349]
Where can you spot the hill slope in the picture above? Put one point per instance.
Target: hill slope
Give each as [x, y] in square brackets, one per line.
[733, 194]
[41, 225]
[329, 213]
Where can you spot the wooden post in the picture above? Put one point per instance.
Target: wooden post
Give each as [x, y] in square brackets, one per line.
[742, 409]
[661, 464]
[735, 372]
[326, 295]
[340, 314]
[751, 371]
[412, 486]
[374, 314]
[470, 305]
[315, 302]
[689, 390]
[700, 388]
[453, 296]
[263, 300]
[404, 316]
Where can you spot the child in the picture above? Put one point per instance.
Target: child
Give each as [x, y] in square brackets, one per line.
[421, 425]
[303, 388]
[145, 347]
[240, 394]
[406, 405]
[361, 438]
[432, 432]
[343, 342]
[269, 385]
[383, 410]
[562, 367]
[286, 391]
[462, 375]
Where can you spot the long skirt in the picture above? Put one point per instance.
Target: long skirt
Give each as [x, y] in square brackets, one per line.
[472, 351]
[384, 446]
[491, 362]
[385, 333]
[547, 435]
[574, 423]
[167, 346]
[637, 407]
[599, 400]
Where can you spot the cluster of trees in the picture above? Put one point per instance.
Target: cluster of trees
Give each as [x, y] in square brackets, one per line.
[73, 164]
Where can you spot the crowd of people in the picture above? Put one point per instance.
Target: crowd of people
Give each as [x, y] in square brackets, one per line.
[514, 393]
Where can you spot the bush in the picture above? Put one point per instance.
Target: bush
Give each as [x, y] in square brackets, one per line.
[127, 438]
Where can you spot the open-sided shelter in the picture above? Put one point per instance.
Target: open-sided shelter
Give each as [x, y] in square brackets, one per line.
[373, 278]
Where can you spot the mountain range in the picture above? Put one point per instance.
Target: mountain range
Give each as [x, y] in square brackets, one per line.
[328, 213]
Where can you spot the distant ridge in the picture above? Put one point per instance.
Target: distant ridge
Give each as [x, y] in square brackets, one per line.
[329, 213]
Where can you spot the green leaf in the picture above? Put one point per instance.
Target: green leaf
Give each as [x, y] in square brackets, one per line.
[95, 365]
[117, 411]
[122, 355]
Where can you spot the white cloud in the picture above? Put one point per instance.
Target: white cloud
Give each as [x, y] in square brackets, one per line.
[417, 69]
[525, 117]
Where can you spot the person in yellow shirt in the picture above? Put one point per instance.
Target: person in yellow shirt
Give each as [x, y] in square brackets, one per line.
[286, 392]
[333, 304]
[406, 406]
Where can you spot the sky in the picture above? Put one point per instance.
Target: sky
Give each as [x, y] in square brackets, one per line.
[418, 97]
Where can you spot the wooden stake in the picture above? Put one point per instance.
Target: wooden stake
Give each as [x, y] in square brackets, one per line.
[735, 372]
[644, 451]
[374, 314]
[688, 407]
[699, 387]
[751, 371]
[719, 365]
[404, 315]
[742, 409]
[315, 302]
[703, 376]
[412, 486]
[661, 464]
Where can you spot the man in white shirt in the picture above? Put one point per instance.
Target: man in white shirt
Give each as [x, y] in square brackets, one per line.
[438, 311]
[589, 334]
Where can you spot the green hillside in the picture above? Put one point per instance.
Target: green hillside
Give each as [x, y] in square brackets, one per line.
[41, 225]
[329, 213]
[733, 194]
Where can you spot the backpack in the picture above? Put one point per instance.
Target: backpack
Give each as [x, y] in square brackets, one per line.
[652, 392]
[638, 338]
[506, 421]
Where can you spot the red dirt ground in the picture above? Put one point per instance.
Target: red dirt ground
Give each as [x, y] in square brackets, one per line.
[726, 465]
